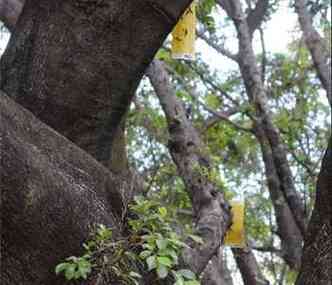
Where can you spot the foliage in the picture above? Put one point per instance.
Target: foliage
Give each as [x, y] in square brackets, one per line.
[152, 244]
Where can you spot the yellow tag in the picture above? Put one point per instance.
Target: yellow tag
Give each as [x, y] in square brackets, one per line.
[235, 235]
[184, 35]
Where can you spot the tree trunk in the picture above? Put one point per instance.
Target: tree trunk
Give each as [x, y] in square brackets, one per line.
[211, 211]
[247, 263]
[183, 132]
[317, 252]
[52, 195]
[75, 65]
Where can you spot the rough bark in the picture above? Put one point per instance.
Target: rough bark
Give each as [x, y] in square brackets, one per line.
[317, 252]
[76, 64]
[290, 236]
[211, 211]
[9, 12]
[217, 273]
[247, 263]
[320, 52]
[256, 15]
[52, 195]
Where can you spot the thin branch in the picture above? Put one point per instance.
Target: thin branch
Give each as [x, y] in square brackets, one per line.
[219, 48]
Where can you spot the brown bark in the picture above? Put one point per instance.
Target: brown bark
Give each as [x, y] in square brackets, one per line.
[75, 65]
[211, 211]
[217, 273]
[52, 195]
[247, 263]
[10, 11]
[82, 63]
[317, 252]
[290, 236]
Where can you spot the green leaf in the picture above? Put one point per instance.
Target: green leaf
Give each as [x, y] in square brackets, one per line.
[192, 282]
[165, 261]
[162, 243]
[162, 271]
[162, 211]
[187, 274]
[179, 281]
[61, 267]
[84, 268]
[197, 239]
[151, 262]
[144, 254]
[135, 274]
[70, 271]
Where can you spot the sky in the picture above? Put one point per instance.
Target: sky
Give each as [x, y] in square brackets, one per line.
[278, 34]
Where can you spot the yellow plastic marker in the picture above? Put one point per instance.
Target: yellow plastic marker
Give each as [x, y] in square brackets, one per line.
[184, 35]
[235, 235]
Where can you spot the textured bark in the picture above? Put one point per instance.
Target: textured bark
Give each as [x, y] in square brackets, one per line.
[217, 273]
[247, 263]
[256, 15]
[320, 52]
[9, 12]
[211, 211]
[290, 236]
[76, 64]
[317, 252]
[52, 195]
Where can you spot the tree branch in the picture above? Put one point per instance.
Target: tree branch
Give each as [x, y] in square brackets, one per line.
[10, 11]
[318, 50]
[220, 49]
[211, 211]
[256, 16]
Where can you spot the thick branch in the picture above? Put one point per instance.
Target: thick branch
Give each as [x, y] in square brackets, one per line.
[318, 49]
[10, 10]
[247, 263]
[85, 62]
[317, 251]
[53, 194]
[256, 16]
[211, 211]
[223, 51]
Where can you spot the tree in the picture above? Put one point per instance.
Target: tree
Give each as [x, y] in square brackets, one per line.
[83, 61]
[257, 129]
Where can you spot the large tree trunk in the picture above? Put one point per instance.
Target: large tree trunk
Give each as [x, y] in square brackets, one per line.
[317, 252]
[75, 65]
[52, 195]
